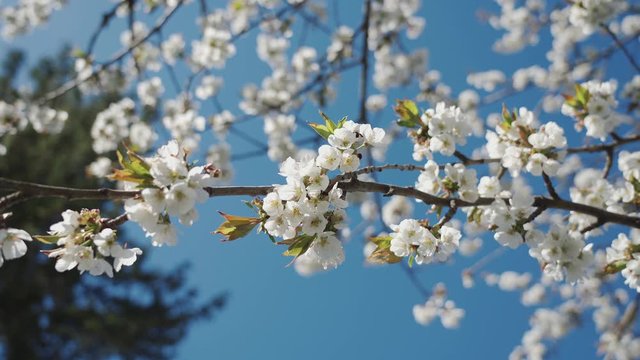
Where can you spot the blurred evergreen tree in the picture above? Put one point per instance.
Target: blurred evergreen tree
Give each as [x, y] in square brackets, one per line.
[143, 313]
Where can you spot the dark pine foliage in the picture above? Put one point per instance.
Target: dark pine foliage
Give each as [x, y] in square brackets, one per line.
[143, 313]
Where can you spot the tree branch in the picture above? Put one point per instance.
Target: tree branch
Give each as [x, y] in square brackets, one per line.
[74, 83]
[33, 190]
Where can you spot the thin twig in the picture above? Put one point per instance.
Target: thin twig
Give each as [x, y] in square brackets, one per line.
[622, 47]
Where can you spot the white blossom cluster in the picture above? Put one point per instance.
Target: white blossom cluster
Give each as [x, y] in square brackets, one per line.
[411, 238]
[521, 24]
[220, 123]
[392, 16]
[458, 180]
[438, 306]
[631, 89]
[215, 47]
[389, 18]
[26, 15]
[486, 80]
[150, 91]
[546, 324]
[624, 249]
[84, 244]
[182, 120]
[279, 128]
[396, 69]
[220, 155]
[590, 14]
[209, 87]
[599, 116]
[432, 89]
[15, 118]
[111, 79]
[590, 188]
[341, 46]
[629, 165]
[306, 206]
[508, 280]
[563, 253]
[521, 144]
[145, 55]
[119, 122]
[441, 130]
[175, 189]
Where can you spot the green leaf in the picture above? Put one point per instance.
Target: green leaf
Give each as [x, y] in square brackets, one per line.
[408, 112]
[47, 239]
[322, 130]
[328, 123]
[298, 245]
[582, 95]
[236, 227]
[615, 267]
[134, 169]
[382, 254]
[341, 122]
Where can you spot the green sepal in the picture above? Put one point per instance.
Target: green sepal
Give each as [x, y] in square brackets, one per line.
[47, 239]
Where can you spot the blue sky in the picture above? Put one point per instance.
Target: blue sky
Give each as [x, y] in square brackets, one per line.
[355, 311]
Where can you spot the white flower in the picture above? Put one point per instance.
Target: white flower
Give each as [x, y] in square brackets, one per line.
[342, 138]
[272, 204]
[372, 136]
[489, 186]
[164, 234]
[124, 257]
[328, 157]
[349, 162]
[149, 91]
[180, 198]
[314, 224]
[12, 244]
[509, 238]
[209, 87]
[328, 250]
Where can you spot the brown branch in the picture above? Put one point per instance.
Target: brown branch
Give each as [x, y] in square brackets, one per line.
[622, 47]
[106, 19]
[447, 216]
[604, 147]
[33, 190]
[116, 221]
[599, 222]
[547, 182]
[364, 60]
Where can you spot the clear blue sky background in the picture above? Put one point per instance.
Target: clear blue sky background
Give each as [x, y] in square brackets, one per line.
[354, 311]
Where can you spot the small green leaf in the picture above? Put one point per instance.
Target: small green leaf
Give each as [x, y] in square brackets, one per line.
[408, 112]
[298, 245]
[321, 130]
[615, 267]
[341, 122]
[47, 239]
[328, 123]
[134, 169]
[236, 227]
[582, 95]
[382, 254]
